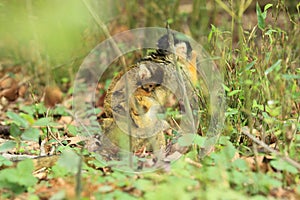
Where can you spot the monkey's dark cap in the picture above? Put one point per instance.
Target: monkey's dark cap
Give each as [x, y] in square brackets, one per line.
[164, 46]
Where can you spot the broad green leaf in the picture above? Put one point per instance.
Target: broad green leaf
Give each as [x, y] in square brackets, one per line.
[28, 109]
[69, 160]
[43, 121]
[199, 140]
[223, 140]
[32, 134]
[14, 130]
[25, 169]
[17, 119]
[40, 108]
[7, 146]
[240, 164]
[27, 117]
[143, 184]
[5, 161]
[229, 150]
[18, 179]
[283, 165]
[72, 130]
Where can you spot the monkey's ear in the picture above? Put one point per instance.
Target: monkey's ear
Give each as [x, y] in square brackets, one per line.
[163, 43]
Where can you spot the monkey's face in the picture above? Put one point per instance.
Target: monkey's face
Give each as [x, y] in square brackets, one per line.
[181, 50]
[149, 87]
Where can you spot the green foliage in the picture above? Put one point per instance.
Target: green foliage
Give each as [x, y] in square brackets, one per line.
[69, 160]
[19, 179]
[5, 162]
[283, 165]
[261, 76]
[24, 126]
[261, 16]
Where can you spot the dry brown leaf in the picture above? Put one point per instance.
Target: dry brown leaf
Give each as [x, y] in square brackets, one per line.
[53, 96]
[9, 89]
[75, 139]
[22, 90]
[65, 120]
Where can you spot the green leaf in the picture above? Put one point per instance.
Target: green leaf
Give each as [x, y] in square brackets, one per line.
[250, 65]
[224, 140]
[72, 130]
[42, 122]
[267, 118]
[274, 66]
[32, 134]
[260, 17]
[14, 130]
[27, 109]
[60, 110]
[269, 5]
[27, 117]
[274, 112]
[213, 29]
[40, 108]
[226, 88]
[69, 160]
[240, 164]
[199, 140]
[17, 119]
[255, 105]
[283, 165]
[5, 161]
[7, 146]
[18, 179]
[233, 92]
[25, 169]
[231, 111]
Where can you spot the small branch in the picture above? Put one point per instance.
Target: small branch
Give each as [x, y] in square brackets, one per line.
[265, 146]
[180, 77]
[123, 62]
[14, 158]
[194, 163]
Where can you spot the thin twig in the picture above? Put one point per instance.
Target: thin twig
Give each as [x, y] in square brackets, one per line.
[50, 131]
[265, 146]
[181, 80]
[78, 188]
[123, 62]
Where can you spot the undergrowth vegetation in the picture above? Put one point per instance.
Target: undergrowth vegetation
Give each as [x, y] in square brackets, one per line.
[254, 44]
